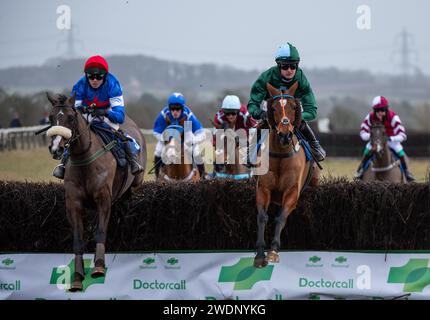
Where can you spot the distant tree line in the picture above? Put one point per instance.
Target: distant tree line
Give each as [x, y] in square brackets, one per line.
[344, 113]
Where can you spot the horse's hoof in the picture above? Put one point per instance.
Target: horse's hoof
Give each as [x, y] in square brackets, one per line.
[273, 256]
[98, 272]
[76, 286]
[260, 262]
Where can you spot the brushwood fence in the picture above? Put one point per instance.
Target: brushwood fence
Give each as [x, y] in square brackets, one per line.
[221, 215]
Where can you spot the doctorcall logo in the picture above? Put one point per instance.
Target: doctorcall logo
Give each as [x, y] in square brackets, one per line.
[198, 147]
[156, 285]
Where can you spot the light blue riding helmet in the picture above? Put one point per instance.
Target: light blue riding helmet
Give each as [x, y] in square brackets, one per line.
[288, 53]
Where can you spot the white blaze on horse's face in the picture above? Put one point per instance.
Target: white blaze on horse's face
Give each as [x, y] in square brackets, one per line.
[283, 102]
[378, 146]
[59, 114]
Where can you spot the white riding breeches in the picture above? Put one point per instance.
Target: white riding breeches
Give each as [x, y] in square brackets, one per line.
[396, 146]
[160, 146]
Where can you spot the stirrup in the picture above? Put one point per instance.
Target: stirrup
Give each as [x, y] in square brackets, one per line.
[135, 167]
[59, 171]
[409, 176]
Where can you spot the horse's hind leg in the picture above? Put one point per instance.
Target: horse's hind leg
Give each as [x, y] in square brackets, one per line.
[103, 209]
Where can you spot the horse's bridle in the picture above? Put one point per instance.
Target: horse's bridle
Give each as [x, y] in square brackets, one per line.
[284, 139]
[75, 135]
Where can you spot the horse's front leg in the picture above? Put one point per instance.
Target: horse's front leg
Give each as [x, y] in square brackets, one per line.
[74, 210]
[263, 201]
[289, 203]
[103, 204]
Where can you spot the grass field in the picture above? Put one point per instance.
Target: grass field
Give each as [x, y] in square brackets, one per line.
[37, 165]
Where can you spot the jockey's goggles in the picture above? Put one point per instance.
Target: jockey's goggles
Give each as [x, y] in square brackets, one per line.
[381, 110]
[286, 66]
[175, 107]
[230, 112]
[95, 76]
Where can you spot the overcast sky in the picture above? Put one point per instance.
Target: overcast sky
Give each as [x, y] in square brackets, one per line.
[240, 33]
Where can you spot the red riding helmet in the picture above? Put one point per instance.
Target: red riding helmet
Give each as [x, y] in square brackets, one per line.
[96, 62]
[379, 103]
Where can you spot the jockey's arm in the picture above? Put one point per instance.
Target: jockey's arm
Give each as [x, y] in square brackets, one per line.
[307, 99]
[365, 129]
[159, 127]
[258, 94]
[398, 138]
[117, 113]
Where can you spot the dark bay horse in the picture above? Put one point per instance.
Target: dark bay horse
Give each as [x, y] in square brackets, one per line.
[288, 171]
[384, 167]
[232, 168]
[92, 178]
[179, 166]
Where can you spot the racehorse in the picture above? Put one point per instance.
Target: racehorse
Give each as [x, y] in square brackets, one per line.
[177, 169]
[384, 167]
[92, 178]
[289, 171]
[231, 170]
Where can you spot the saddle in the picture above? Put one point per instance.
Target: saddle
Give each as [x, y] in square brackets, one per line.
[396, 158]
[108, 135]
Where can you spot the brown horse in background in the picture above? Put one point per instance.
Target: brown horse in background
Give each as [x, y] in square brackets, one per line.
[177, 169]
[92, 177]
[289, 172]
[384, 167]
[232, 168]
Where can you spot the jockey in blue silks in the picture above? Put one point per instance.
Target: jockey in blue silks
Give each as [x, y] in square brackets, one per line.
[176, 112]
[100, 91]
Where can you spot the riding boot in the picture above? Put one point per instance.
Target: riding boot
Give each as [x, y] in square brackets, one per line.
[133, 158]
[60, 169]
[202, 172]
[316, 149]
[360, 170]
[157, 166]
[409, 176]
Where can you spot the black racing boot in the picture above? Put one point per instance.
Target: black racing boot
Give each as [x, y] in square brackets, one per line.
[157, 166]
[409, 176]
[60, 170]
[360, 170]
[316, 149]
[133, 158]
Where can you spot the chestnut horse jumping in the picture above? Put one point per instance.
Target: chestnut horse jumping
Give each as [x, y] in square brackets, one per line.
[88, 182]
[289, 172]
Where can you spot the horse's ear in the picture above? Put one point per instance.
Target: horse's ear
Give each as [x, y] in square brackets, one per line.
[293, 88]
[51, 98]
[272, 90]
[71, 101]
